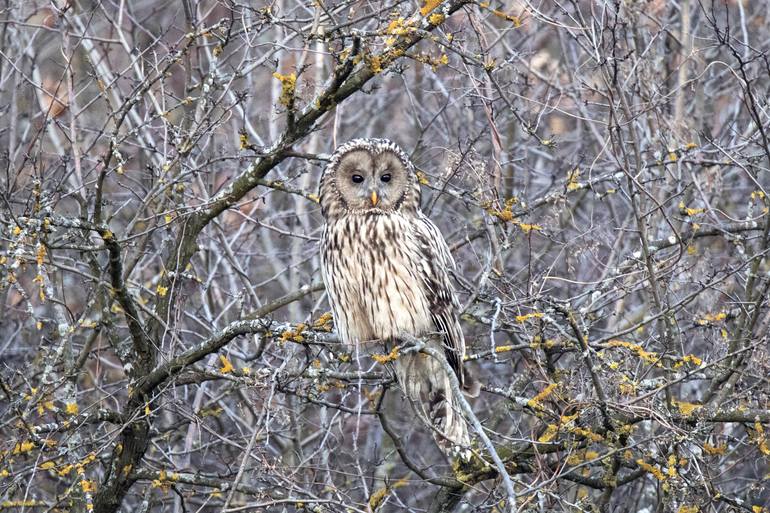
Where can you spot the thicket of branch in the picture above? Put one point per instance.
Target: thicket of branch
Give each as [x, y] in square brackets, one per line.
[599, 170]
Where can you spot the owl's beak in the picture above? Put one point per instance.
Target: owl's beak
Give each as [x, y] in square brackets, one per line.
[375, 199]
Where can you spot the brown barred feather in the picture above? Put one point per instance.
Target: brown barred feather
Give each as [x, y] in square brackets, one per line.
[386, 270]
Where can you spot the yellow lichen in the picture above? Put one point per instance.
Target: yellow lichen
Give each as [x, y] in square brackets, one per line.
[500, 14]
[385, 358]
[574, 459]
[324, 322]
[22, 447]
[549, 434]
[688, 509]
[397, 27]
[526, 228]
[711, 318]
[26, 503]
[226, 365]
[572, 179]
[760, 438]
[288, 87]
[690, 211]
[429, 6]
[40, 254]
[162, 482]
[294, 335]
[627, 386]
[503, 215]
[587, 434]
[66, 469]
[671, 466]
[506, 213]
[536, 401]
[714, 450]
[648, 356]
[436, 18]
[691, 358]
[375, 63]
[71, 408]
[525, 317]
[655, 471]
[685, 408]
[377, 497]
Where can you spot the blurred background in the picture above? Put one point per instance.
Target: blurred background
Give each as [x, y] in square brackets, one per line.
[599, 170]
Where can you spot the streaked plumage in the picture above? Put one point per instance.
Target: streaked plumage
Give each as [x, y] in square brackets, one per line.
[385, 266]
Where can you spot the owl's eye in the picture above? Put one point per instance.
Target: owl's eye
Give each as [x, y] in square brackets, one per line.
[357, 178]
[385, 178]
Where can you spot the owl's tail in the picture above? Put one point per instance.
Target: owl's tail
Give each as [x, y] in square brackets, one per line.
[427, 387]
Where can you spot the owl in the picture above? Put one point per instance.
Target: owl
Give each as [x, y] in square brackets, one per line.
[385, 267]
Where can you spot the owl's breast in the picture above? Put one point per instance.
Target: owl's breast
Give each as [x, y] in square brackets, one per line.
[372, 266]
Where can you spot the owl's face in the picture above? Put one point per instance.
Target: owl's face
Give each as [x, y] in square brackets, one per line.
[371, 181]
[368, 176]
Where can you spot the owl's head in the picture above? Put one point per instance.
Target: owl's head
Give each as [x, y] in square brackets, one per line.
[368, 176]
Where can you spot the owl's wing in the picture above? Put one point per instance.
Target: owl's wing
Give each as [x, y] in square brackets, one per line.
[444, 306]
